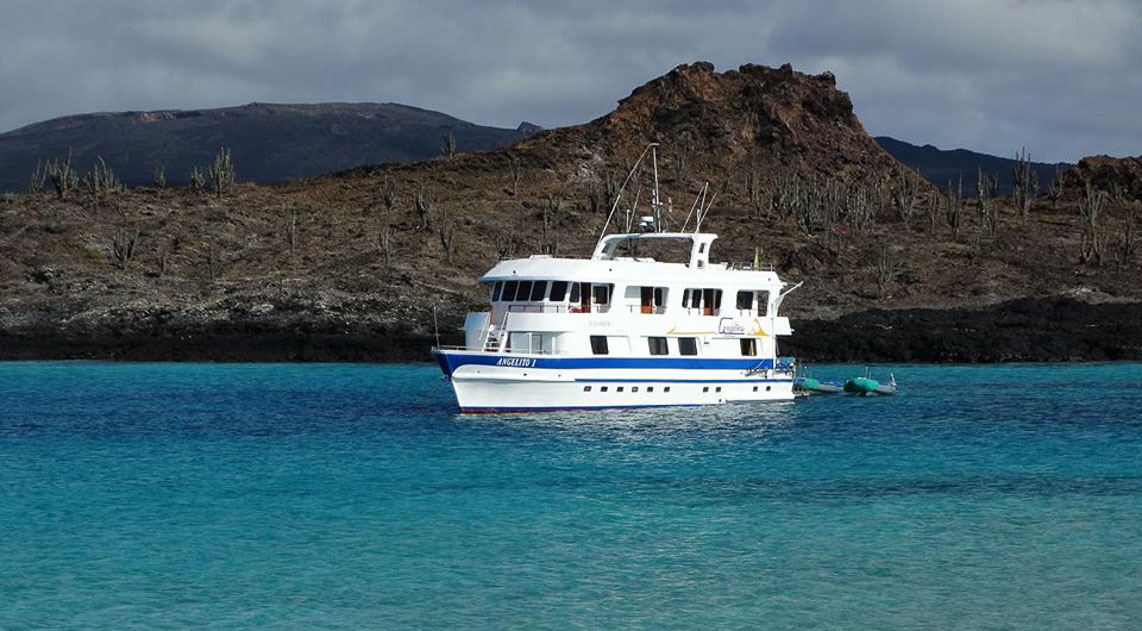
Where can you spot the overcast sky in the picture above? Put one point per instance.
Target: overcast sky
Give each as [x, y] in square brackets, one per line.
[1063, 77]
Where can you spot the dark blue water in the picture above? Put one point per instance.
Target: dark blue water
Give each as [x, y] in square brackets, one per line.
[159, 496]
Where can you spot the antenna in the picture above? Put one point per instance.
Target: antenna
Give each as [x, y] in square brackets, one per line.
[702, 212]
[619, 195]
[697, 198]
[655, 203]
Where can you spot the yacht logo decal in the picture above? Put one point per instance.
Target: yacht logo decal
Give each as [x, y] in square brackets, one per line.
[729, 326]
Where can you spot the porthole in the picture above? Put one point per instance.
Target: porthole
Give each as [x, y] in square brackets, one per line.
[755, 388]
[634, 389]
[666, 389]
[718, 389]
[650, 388]
[768, 388]
[620, 389]
[705, 388]
[603, 389]
[586, 388]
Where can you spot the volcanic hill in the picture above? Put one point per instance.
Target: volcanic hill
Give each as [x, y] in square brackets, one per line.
[279, 142]
[351, 266]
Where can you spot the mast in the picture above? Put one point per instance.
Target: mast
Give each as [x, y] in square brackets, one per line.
[656, 202]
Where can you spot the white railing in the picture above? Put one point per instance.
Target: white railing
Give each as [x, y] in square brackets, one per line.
[477, 349]
[595, 308]
[750, 267]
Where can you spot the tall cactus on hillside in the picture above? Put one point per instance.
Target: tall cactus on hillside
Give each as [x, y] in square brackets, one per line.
[221, 171]
[1026, 184]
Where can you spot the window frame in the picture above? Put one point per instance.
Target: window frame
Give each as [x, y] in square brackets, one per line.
[539, 286]
[510, 289]
[749, 295]
[560, 285]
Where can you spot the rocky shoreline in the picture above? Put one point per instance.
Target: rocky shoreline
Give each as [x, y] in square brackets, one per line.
[1024, 330]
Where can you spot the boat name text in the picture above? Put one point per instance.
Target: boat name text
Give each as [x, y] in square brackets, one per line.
[518, 362]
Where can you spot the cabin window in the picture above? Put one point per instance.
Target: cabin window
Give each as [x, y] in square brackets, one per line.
[711, 300]
[745, 300]
[558, 290]
[524, 290]
[762, 303]
[659, 296]
[599, 344]
[687, 346]
[588, 388]
[574, 297]
[603, 389]
[509, 290]
[749, 346]
[658, 345]
[666, 389]
[497, 290]
[538, 290]
[646, 299]
[601, 294]
[619, 389]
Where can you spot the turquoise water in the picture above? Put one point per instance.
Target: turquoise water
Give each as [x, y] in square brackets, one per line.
[168, 496]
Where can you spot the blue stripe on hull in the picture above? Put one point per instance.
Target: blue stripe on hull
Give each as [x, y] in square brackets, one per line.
[449, 362]
[578, 380]
[477, 410]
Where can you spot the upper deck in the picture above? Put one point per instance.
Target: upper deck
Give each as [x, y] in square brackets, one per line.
[606, 266]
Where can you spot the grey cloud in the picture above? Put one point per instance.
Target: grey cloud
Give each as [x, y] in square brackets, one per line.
[1053, 75]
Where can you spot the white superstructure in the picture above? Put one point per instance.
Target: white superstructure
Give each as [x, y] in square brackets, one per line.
[619, 330]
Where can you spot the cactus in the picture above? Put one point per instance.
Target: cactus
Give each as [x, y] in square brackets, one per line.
[1090, 211]
[550, 211]
[1026, 184]
[385, 243]
[101, 182]
[39, 178]
[1126, 245]
[1055, 188]
[197, 179]
[123, 246]
[953, 206]
[514, 167]
[904, 192]
[221, 171]
[449, 147]
[63, 177]
[421, 205]
[447, 233]
[388, 193]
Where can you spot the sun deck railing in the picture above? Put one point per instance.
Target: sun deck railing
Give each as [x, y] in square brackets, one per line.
[595, 308]
[506, 351]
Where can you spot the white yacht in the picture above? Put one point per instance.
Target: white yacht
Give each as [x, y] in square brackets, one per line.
[617, 331]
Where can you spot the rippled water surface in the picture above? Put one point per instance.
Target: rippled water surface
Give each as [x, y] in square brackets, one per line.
[165, 496]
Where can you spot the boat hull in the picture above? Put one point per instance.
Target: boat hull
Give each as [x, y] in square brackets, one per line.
[518, 383]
